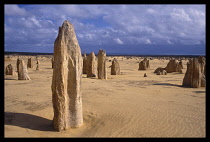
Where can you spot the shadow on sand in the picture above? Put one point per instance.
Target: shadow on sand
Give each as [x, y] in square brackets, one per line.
[199, 91]
[28, 121]
[168, 84]
[9, 79]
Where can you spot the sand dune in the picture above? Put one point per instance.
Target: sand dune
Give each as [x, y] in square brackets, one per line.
[126, 105]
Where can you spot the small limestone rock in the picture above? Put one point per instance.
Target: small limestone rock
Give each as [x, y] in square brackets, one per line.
[102, 64]
[145, 75]
[159, 69]
[115, 67]
[164, 72]
[158, 73]
[144, 65]
[10, 70]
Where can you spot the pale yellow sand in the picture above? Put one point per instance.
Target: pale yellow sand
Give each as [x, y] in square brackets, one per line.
[127, 105]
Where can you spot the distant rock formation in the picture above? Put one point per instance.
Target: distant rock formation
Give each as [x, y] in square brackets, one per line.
[115, 67]
[144, 65]
[85, 64]
[180, 64]
[102, 64]
[10, 70]
[66, 80]
[194, 77]
[30, 63]
[164, 72]
[37, 66]
[17, 64]
[22, 70]
[91, 65]
[159, 73]
[159, 69]
[173, 66]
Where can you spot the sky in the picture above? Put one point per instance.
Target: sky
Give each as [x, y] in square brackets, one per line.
[118, 29]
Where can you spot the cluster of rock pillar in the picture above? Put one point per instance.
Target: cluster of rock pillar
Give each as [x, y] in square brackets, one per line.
[66, 80]
[172, 66]
[195, 74]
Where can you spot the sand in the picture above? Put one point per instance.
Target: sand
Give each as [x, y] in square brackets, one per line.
[126, 105]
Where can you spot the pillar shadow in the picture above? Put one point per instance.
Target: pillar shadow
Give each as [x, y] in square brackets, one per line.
[29, 121]
[168, 84]
[199, 91]
[9, 79]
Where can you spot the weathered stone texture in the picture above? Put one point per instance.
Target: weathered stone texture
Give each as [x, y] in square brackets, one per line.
[91, 65]
[102, 64]
[85, 64]
[194, 77]
[159, 69]
[30, 63]
[144, 64]
[115, 67]
[22, 70]
[10, 70]
[66, 80]
[172, 66]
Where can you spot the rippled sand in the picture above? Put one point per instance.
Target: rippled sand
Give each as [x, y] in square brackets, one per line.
[126, 105]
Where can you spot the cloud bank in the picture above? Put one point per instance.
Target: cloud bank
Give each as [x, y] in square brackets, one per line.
[36, 26]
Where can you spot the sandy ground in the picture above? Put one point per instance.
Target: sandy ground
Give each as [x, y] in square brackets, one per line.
[126, 105]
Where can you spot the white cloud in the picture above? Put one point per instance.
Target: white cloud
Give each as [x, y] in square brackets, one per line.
[35, 21]
[150, 10]
[180, 14]
[14, 10]
[169, 42]
[117, 24]
[148, 41]
[118, 41]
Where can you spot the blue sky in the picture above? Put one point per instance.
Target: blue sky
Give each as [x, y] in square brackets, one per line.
[33, 28]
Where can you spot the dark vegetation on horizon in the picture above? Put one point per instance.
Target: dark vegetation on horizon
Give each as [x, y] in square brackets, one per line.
[36, 53]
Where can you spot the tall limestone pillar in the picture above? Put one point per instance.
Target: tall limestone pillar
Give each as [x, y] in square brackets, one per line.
[115, 68]
[91, 65]
[66, 80]
[22, 70]
[85, 64]
[102, 64]
[194, 77]
[30, 63]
